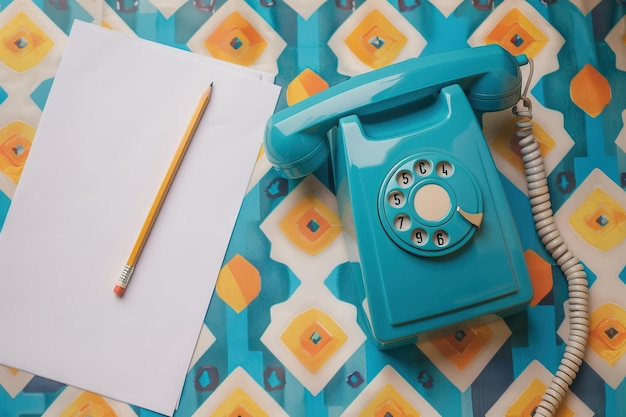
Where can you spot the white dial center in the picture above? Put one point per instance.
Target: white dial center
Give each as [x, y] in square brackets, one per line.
[432, 202]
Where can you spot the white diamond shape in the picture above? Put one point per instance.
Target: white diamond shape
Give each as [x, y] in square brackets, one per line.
[205, 341]
[546, 61]
[606, 289]
[464, 378]
[446, 7]
[550, 120]
[13, 384]
[347, 62]
[608, 262]
[586, 6]
[305, 8]
[387, 376]
[615, 40]
[70, 394]
[535, 370]
[307, 296]
[306, 267]
[239, 378]
[621, 136]
[168, 7]
[275, 44]
[261, 167]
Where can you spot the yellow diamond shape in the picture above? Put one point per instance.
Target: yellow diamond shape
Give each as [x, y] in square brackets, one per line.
[506, 143]
[607, 336]
[525, 404]
[540, 275]
[238, 283]
[306, 84]
[462, 347]
[239, 404]
[88, 405]
[376, 41]
[311, 225]
[236, 40]
[313, 337]
[23, 44]
[389, 402]
[600, 220]
[518, 35]
[590, 90]
[15, 142]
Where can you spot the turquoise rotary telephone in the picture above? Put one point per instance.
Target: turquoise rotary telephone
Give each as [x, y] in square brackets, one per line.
[432, 242]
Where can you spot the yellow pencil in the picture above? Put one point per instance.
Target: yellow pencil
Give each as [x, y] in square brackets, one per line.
[124, 278]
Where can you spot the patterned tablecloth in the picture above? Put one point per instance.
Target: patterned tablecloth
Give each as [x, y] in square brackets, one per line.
[282, 335]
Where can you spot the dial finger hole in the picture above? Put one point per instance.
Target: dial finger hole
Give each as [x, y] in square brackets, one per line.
[423, 167]
[445, 169]
[402, 222]
[396, 199]
[441, 238]
[404, 178]
[420, 237]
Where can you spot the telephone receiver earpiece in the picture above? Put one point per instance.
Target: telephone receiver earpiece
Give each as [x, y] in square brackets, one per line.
[295, 138]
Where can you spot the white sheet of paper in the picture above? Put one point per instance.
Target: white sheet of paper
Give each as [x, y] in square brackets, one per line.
[114, 117]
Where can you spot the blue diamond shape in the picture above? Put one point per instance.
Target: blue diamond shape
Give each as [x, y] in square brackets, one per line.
[236, 43]
[377, 42]
[313, 226]
[316, 338]
[517, 40]
[602, 220]
[21, 43]
[40, 94]
[3, 95]
[273, 380]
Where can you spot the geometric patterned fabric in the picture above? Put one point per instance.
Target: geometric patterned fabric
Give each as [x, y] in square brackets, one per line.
[282, 336]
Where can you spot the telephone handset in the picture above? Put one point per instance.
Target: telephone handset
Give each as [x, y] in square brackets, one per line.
[432, 242]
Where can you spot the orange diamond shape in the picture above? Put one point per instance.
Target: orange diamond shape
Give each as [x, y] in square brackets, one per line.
[376, 41]
[305, 85]
[461, 339]
[518, 35]
[506, 143]
[239, 404]
[23, 44]
[459, 351]
[15, 142]
[607, 336]
[238, 283]
[315, 338]
[389, 402]
[590, 90]
[310, 225]
[529, 399]
[240, 411]
[540, 275]
[236, 40]
[319, 327]
[600, 220]
[88, 405]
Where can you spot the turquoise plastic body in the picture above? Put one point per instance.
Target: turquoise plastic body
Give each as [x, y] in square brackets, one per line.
[295, 138]
[421, 269]
[408, 297]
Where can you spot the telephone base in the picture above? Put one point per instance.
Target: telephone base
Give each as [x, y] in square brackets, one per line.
[432, 241]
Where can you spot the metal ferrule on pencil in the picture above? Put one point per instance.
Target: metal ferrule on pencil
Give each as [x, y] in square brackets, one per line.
[125, 276]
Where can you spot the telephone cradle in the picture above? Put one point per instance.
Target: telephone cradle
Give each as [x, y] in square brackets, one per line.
[432, 242]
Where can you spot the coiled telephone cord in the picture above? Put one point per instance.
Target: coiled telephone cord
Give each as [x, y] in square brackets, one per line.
[570, 265]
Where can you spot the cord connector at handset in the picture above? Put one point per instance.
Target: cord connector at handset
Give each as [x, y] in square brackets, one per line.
[550, 236]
